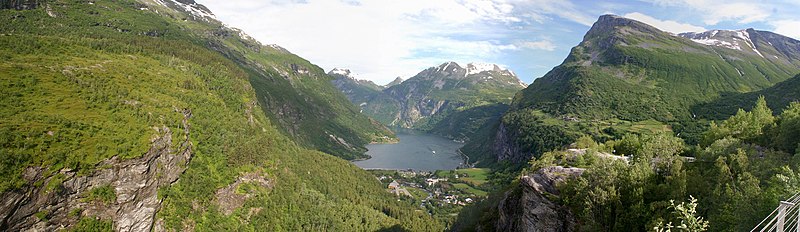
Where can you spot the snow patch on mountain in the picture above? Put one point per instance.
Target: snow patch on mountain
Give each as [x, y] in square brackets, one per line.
[728, 39]
[344, 72]
[341, 71]
[196, 9]
[475, 68]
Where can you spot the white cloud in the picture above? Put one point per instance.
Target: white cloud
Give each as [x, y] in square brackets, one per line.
[789, 28]
[716, 11]
[546, 45]
[537, 10]
[378, 39]
[665, 25]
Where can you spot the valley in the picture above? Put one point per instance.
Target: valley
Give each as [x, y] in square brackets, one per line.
[155, 115]
[416, 150]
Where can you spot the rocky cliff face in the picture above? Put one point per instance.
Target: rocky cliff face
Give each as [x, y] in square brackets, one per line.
[530, 209]
[505, 148]
[59, 201]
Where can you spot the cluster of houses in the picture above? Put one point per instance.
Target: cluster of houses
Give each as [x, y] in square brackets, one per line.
[453, 199]
[433, 181]
[399, 189]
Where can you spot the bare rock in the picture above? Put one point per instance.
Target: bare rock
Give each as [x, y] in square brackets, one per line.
[135, 183]
[230, 198]
[529, 209]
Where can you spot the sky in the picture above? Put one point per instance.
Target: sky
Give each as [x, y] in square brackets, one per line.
[384, 39]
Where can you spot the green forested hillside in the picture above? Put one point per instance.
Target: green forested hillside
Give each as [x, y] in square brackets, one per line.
[357, 91]
[778, 97]
[744, 167]
[626, 75]
[87, 81]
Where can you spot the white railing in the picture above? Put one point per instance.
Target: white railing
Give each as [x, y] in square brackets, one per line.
[782, 219]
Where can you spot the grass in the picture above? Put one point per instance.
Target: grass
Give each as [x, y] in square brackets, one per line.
[470, 190]
[474, 176]
[93, 83]
[649, 84]
[104, 194]
[418, 194]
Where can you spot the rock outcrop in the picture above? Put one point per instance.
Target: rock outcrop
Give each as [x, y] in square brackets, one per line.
[530, 209]
[44, 204]
[505, 148]
[20, 4]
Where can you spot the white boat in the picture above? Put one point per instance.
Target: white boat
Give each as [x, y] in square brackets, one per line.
[434, 152]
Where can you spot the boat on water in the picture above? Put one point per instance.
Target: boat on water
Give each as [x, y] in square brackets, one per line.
[434, 152]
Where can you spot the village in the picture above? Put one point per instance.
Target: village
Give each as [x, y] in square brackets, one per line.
[441, 193]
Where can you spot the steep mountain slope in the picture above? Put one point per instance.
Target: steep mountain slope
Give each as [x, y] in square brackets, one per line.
[308, 108]
[778, 97]
[448, 87]
[357, 91]
[626, 72]
[396, 81]
[450, 100]
[139, 115]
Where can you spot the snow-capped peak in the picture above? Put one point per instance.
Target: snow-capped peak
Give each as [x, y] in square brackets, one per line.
[344, 72]
[474, 68]
[341, 71]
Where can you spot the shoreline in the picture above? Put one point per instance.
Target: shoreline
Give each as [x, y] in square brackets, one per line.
[466, 163]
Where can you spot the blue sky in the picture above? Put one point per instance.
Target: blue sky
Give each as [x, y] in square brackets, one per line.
[383, 39]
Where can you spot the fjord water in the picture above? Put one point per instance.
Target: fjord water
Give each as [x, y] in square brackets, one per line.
[416, 150]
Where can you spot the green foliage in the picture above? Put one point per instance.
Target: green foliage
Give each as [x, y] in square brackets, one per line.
[91, 224]
[533, 135]
[585, 142]
[778, 96]
[786, 133]
[92, 84]
[743, 125]
[738, 182]
[632, 73]
[55, 182]
[470, 123]
[105, 194]
[42, 215]
[686, 212]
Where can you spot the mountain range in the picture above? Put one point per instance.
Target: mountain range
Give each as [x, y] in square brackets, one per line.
[439, 99]
[139, 115]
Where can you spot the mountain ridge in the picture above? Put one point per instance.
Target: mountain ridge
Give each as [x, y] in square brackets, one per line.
[123, 118]
[625, 70]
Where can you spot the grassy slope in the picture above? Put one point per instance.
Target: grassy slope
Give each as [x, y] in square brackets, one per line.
[93, 80]
[635, 73]
[778, 97]
[314, 107]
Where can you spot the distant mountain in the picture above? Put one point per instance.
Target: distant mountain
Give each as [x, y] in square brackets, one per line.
[396, 81]
[357, 91]
[625, 72]
[153, 115]
[446, 87]
[424, 100]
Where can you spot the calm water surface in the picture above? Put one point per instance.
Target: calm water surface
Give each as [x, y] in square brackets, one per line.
[416, 150]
